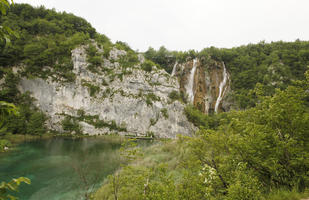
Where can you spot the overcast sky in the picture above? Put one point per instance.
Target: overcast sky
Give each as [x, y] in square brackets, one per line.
[190, 24]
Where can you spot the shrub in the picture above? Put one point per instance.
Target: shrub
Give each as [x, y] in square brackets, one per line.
[104, 82]
[199, 119]
[164, 113]
[36, 124]
[4, 143]
[148, 102]
[71, 125]
[147, 65]
[174, 95]
[153, 97]
[152, 121]
[93, 89]
[150, 97]
[69, 76]
[91, 50]
[95, 60]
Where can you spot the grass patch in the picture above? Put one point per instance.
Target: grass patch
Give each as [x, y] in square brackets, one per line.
[287, 195]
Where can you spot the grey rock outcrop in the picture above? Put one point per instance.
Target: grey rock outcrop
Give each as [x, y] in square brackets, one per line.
[134, 100]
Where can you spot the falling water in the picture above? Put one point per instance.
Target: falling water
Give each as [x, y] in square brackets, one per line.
[189, 86]
[221, 87]
[174, 69]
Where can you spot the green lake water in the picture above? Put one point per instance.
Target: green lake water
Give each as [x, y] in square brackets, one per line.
[58, 167]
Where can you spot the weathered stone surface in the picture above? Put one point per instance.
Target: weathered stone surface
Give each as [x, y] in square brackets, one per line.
[122, 101]
[209, 77]
[114, 54]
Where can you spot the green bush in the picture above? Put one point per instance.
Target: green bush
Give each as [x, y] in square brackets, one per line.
[174, 95]
[94, 59]
[153, 97]
[150, 97]
[153, 121]
[93, 89]
[244, 186]
[36, 124]
[91, 50]
[199, 119]
[287, 195]
[71, 125]
[104, 82]
[148, 102]
[164, 113]
[4, 143]
[69, 76]
[147, 65]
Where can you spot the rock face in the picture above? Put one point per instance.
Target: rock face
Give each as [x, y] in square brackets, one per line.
[206, 82]
[112, 100]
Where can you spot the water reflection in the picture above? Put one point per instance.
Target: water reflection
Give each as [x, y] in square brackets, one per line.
[60, 168]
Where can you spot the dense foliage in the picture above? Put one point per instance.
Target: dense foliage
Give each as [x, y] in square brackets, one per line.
[7, 110]
[166, 59]
[21, 119]
[46, 38]
[274, 65]
[29, 120]
[258, 153]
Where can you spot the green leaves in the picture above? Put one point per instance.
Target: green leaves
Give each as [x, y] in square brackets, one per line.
[130, 151]
[4, 5]
[11, 186]
[5, 32]
[6, 110]
[258, 149]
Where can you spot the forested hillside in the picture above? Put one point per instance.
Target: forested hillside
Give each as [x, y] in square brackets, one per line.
[274, 65]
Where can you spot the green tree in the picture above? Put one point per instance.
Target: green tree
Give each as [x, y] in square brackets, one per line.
[262, 148]
[36, 123]
[6, 110]
[5, 32]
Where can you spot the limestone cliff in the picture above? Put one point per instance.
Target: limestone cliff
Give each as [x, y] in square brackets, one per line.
[206, 83]
[112, 100]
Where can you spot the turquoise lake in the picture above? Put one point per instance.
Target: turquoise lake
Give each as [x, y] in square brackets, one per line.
[60, 168]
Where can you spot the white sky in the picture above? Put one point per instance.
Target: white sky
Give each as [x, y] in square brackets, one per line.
[190, 24]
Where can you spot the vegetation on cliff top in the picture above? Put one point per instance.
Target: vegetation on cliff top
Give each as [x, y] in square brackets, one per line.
[42, 49]
[274, 65]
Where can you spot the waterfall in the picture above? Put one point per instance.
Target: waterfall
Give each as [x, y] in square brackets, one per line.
[190, 84]
[221, 87]
[174, 69]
